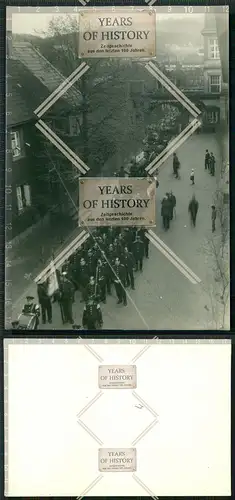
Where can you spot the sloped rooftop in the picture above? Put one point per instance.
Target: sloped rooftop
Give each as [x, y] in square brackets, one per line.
[31, 80]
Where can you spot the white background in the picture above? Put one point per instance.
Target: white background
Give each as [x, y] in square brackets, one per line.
[187, 453]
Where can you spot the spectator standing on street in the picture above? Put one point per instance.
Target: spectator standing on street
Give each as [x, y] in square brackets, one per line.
[212, 164]
[172, 202]
[176, 165]
[166, 212]
[207, 160]
[213, 217]
[192, 177]
[193, 210]
[45, 302]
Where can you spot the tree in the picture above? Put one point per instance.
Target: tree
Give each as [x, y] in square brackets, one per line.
[217, 249]
[103, 90]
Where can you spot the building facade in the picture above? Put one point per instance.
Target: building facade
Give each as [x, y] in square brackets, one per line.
[32, 161]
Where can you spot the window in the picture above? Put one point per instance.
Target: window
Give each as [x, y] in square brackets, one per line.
[215, 84]
[16, 144]
[74, 126]
[213, 116]
[23, 194]
[213, 48]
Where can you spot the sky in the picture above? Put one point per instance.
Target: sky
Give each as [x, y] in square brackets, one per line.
[36, 23]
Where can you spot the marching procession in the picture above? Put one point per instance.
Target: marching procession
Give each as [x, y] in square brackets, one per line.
[107, 263]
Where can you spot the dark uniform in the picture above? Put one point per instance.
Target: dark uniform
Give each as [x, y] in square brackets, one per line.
[212, 164]
[213, 218]
[128, 239]
[207, 159]
[92, 291]
[193, 209]
[32, 308]
[83, 279]
[101, 273]
[172, 200]
[142, 233]
[45, 302]
[108, 273]
[92, 316]
[66, 300]
[176, 165]
[166, 212]
[138, 252]
[91, 263]
[119, 278]
[128, 262]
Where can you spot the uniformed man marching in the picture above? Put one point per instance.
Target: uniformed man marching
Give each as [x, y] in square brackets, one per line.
[119, 278]
[101, 280]
[32, 307]
[129, 264]
[92, 318]
[66, 299]
[138, 252]
[93, 289]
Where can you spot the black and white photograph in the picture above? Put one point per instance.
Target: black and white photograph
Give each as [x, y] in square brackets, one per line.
[114, 100]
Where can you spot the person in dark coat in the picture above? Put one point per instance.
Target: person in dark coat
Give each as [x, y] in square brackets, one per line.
[119, 278]
[172, 200]
[67, 291]
[129, 263]
[83, 278]
[207, 159]
[142, 233]
[166, 212]
[93, 289]
[128, 238]
[108, 272]
[193, 210]
[92, 318]
[212, 164]
[176, 165]
[90, 262]
[138, 252]
[213, 217]
[31, 307]
[44, 301]
[101, 275]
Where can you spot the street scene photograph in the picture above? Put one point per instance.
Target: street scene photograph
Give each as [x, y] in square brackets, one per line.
[117, 169]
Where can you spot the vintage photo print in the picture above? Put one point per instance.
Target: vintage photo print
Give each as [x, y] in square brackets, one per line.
[81, 439]
[117, 173]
